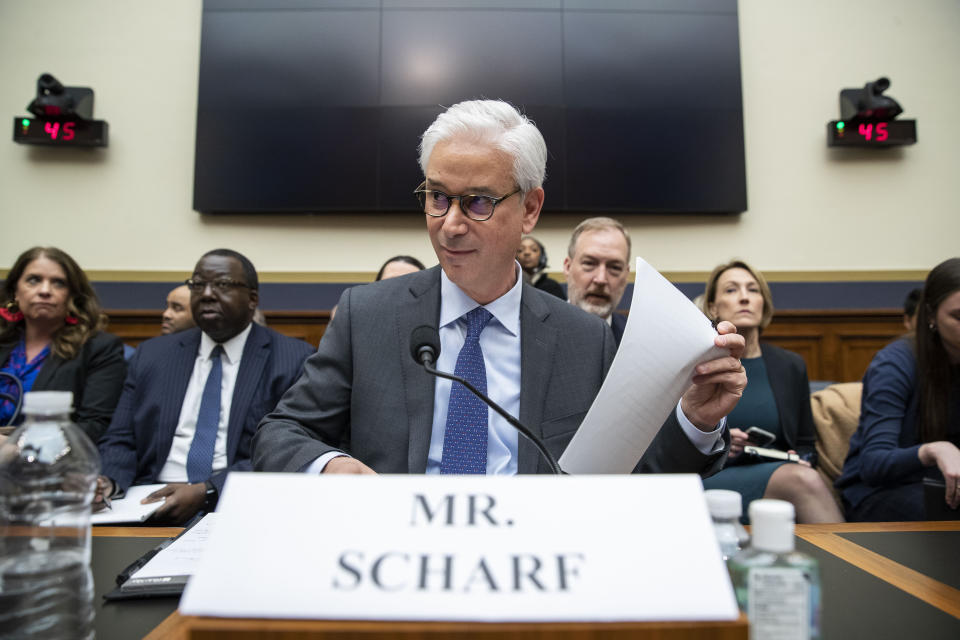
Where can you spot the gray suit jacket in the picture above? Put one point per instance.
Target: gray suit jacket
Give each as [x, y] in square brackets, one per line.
[363, 394]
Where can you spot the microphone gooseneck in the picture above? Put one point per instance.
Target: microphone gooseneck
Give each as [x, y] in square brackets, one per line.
[425, 348]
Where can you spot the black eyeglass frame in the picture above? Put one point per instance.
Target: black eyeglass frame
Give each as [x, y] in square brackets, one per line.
[221, 285]
[420, 193]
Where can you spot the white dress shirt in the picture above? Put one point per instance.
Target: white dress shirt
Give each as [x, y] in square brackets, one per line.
[500, 343]
[175, 469]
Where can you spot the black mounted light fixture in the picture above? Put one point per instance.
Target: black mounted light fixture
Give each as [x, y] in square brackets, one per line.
[867, 119]
[62, 117]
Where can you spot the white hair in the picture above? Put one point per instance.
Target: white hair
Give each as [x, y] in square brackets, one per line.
[498, 123]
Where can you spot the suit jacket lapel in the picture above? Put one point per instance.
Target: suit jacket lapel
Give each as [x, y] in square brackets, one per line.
[50, 366]
[172, 389]
[252, 363]
[420, 307]
[5, 350]
[537, 346]
[780, 386]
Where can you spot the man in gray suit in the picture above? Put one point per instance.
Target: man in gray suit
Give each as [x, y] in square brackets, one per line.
[362, 405]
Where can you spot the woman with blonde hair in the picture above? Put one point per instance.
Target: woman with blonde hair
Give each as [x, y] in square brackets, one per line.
[52, 339]
[776, 400]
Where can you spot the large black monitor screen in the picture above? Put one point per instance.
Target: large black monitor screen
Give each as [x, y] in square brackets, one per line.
[318, 106]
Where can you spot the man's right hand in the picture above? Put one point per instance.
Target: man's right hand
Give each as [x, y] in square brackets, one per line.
[346, 464]
[103, 491]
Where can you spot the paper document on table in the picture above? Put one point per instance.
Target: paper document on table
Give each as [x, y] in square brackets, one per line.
[665, 338]
[183, 554]
[128, 508]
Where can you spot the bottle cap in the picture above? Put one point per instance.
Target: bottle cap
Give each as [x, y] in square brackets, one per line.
[772, 525]
[723, 503]
[47, 403]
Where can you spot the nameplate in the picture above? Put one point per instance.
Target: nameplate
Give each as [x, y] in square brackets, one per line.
[523, 548]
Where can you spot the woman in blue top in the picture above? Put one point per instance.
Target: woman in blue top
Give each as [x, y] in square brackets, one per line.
[910, 413]
[777, 399]
[51, 339]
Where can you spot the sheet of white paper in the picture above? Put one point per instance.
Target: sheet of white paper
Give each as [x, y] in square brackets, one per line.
[665, 338]
[403, 548]
[183, 555]
[128, 508]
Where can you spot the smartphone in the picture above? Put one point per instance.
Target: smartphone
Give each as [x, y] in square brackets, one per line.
[760, 437]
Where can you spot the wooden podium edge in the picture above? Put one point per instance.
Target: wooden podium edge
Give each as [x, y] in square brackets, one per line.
[178, 627]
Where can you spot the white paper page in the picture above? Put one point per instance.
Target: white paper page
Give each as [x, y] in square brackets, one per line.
[128, 508]
[636, 547]
[665, 338]
[183, 555]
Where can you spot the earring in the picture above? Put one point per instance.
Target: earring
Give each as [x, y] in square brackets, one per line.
[933, 326]
[71, 319]
[11, 312]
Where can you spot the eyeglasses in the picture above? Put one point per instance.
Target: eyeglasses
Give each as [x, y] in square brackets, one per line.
[220, 286]
[476, 207]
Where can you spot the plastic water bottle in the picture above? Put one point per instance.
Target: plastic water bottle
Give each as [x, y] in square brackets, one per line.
[725, 509]
[776, 586]
[48, 473]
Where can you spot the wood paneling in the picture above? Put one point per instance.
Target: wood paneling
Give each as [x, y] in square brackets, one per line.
[133, 327]
[836, 345]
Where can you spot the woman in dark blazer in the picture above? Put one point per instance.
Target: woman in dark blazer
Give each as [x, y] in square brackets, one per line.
[51, 339]
[777, 400]
[910, 419]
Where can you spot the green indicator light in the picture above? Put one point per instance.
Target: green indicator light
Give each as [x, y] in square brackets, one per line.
[25, 122]
[840, 125]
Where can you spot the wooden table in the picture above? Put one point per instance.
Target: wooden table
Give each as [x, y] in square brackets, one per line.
[880, 580]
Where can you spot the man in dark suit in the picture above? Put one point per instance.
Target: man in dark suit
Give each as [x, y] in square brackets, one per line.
[363, 405]
[192, 399]
[597, 268]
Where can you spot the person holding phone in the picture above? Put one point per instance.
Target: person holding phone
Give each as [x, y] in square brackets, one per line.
[774, 411]
[910, 418]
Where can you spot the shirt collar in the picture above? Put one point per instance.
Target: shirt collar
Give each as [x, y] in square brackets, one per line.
[454, 303]
[232, 348]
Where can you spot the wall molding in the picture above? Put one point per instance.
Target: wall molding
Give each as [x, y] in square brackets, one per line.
[357, 277]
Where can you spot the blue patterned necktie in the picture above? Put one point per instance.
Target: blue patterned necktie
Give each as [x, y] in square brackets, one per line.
[200, 457]
[465, 436]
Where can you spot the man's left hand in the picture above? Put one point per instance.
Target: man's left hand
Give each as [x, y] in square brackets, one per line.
[183, 501]
[717, 384]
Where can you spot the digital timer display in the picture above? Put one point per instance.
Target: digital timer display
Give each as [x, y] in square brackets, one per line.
[871, 134]
[60, 132]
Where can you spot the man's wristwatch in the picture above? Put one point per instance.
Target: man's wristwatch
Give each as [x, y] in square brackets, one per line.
[211, 496]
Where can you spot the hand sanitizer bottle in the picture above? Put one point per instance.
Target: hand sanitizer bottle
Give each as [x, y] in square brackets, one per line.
[777, 587]
[725, 509]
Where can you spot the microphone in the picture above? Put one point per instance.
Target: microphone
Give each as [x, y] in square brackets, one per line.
[425, 347]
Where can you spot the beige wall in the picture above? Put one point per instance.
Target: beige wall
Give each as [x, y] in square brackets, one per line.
[128, 208]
